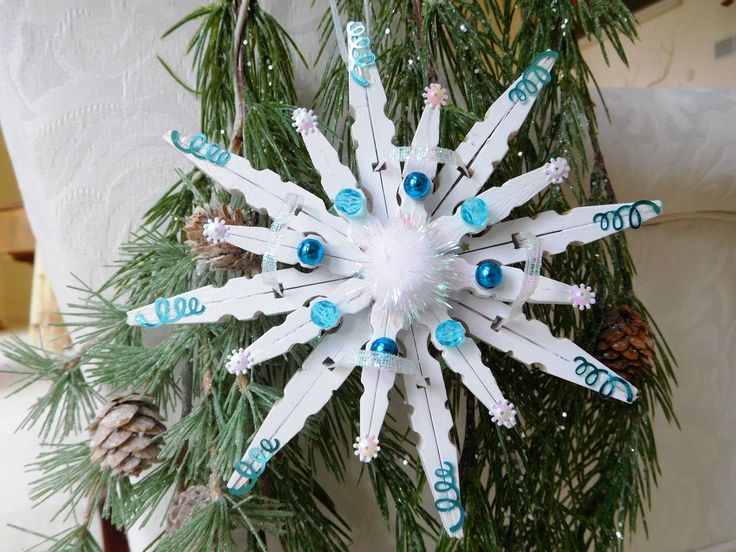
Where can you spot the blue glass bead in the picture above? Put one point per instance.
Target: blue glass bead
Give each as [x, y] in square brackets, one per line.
[385, 345]
[417, 185]
[450, 333]
[310, 252]
[325, 314]
[350, 202]
[488, 274]
[474, 212]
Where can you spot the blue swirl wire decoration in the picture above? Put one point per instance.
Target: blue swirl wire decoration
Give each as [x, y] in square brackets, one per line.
[182, 309]
[360, 53]
[607, 218]
[200, 149]
[448, 484]
[260, 456]
[592, 375]
[526, 86]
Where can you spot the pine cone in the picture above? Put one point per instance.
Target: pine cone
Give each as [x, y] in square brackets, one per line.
[219, 254]
[185, 505]
[625, 344]
[124, 435]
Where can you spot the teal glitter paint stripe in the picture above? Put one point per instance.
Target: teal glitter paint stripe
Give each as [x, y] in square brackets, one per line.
[199, 148]
[448, 484]
[609, 386]
[526, 86]
[260, 455]
[616, 218]
[182, 309]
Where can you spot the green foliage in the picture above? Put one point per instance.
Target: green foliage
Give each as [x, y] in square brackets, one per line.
[574, 475]
[69, 401]
[78, 538]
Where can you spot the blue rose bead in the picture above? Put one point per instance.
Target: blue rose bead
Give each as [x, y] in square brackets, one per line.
[310, 252]
[450, 333]
[488, 274]
[385, 345]
[350, 202]
[417, 185]
[474, 212]
[325, 314]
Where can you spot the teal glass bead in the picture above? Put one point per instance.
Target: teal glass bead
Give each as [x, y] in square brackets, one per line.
[488, 274]
[350, 202]
[417, 185]
[385, 345]
[474, 212]
[325, 314]
[310, 252]
[450, 333]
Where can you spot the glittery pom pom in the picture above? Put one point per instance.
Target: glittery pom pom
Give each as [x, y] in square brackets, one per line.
[366, 448]
[582, 297]
[435, 95]
[305, 121]
[238, 362]
[215, 230]
[557, 170]
[503, 413]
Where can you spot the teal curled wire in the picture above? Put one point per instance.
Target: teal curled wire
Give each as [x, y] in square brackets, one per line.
[448, 484]
[182, 308]
[527, 86]
[592, 374]
[616, 218]
[358, 43]
[199, 148]
[260, 456]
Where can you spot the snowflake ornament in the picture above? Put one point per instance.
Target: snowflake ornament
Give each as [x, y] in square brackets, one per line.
[503, 414]
[411, 255]
[305, 121]
[366, 448]
[582, 297]
[215, 230]
[435, 95]
[238, 362]
[557, 170]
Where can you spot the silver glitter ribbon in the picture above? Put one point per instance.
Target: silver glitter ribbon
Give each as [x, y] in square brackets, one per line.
[532, 269]
[292, 203]
[386, 361]
[428, 153]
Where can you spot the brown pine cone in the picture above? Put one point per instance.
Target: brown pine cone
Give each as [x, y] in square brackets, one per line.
[184, 505]
[125, 435]
[219, 254]
[625, 344]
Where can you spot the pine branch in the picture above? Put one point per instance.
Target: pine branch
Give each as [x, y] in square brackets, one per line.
[69, 401]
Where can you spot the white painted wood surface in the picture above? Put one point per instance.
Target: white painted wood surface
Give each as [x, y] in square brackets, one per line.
[484, 146]
[429, 415]
[310, 388]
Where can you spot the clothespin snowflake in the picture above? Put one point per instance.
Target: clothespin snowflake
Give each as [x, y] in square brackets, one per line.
[388, 273]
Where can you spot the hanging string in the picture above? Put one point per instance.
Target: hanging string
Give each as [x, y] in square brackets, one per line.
[367, 15]
[337, 23]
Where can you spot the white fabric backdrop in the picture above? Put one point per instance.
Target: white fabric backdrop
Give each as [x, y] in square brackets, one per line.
[83, 103]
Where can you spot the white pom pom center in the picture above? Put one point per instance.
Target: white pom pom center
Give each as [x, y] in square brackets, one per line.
[405, 268]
